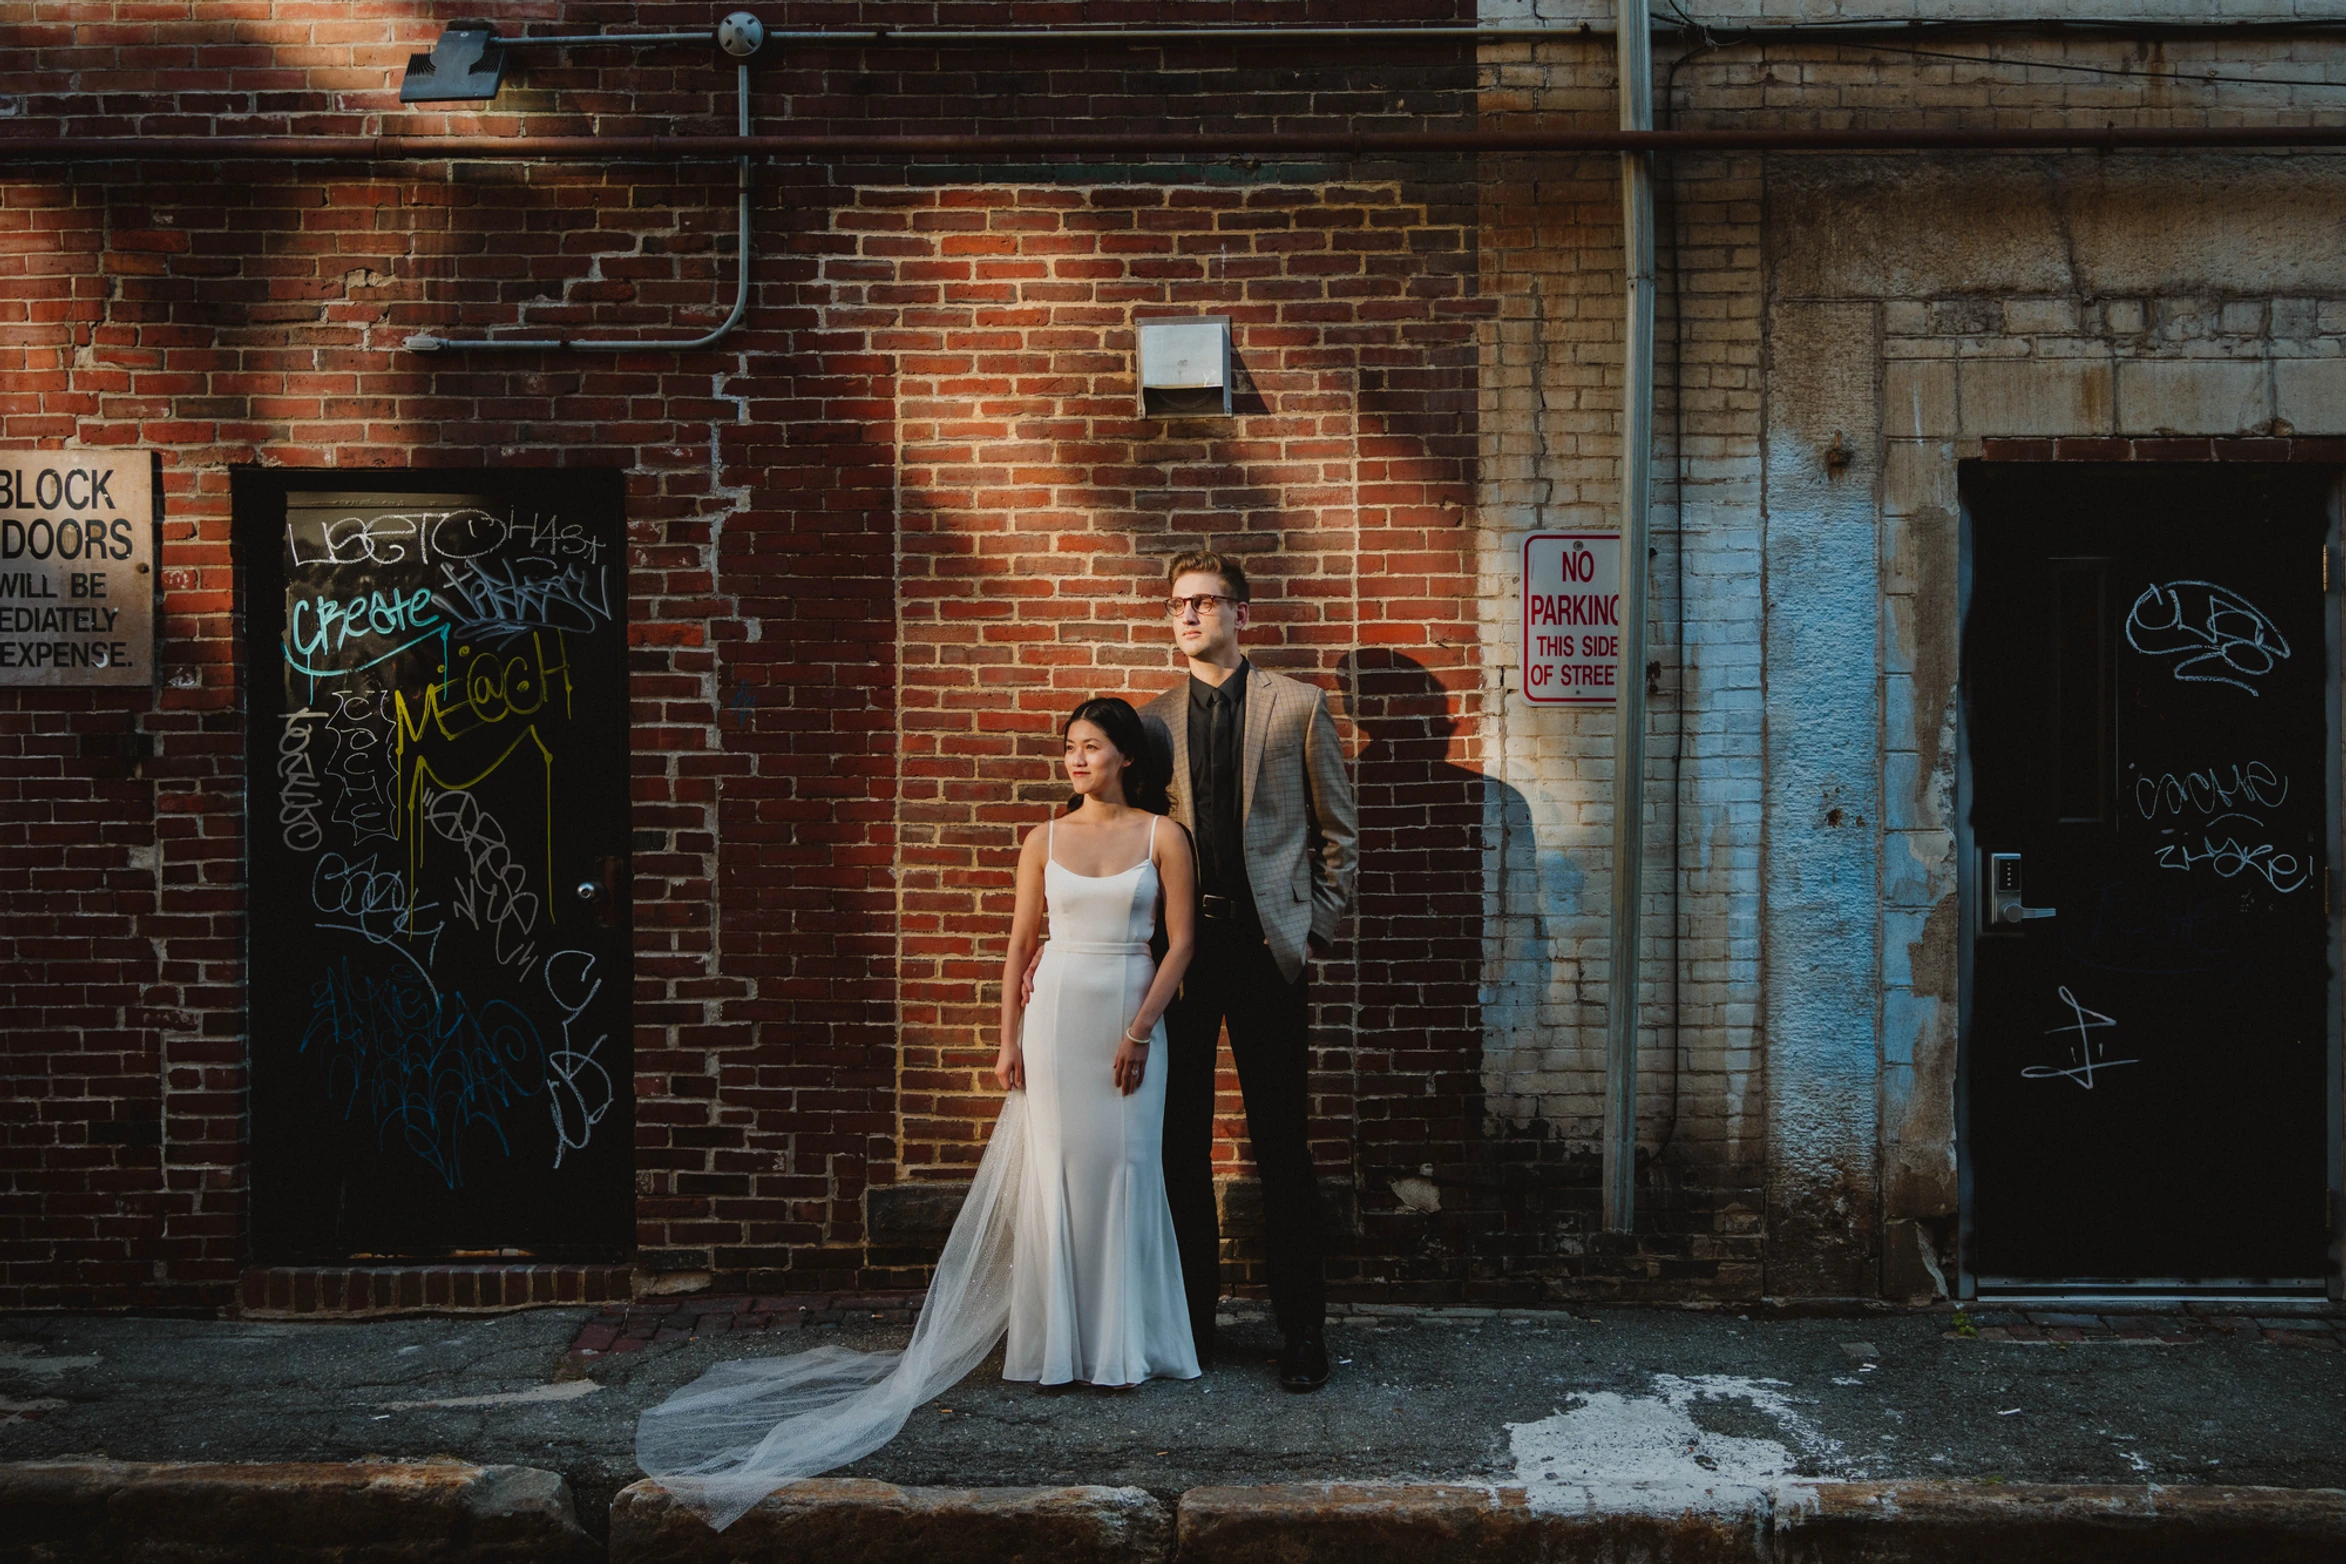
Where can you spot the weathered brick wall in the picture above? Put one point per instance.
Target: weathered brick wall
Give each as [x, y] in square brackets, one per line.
[888, 531]
[1038, 511]
[253, 314]
[1818, 317]
[1551, 395]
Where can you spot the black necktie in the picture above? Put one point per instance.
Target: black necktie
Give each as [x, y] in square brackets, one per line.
[1224, 763]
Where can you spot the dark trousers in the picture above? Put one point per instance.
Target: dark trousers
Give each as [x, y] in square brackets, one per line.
[1235, 980]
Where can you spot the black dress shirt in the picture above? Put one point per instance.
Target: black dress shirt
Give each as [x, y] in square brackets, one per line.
[1217, 751]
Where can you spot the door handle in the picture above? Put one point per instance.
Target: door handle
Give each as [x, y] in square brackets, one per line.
[2004, 900]
[598, 891]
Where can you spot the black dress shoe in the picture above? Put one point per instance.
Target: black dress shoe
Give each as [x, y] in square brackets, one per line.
[1303, 1366]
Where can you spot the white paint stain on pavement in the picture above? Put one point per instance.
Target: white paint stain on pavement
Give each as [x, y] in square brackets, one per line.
[1646, 1454]
[561, 1390]
[23, 1357]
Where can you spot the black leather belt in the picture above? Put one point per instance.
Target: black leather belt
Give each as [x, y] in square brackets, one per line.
[1219, 907]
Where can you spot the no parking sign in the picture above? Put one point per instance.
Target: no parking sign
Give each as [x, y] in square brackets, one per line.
[1571, 617]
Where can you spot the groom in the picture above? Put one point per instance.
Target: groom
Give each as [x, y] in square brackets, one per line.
[1258, 777]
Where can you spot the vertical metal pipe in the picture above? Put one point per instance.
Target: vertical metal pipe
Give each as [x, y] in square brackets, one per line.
[1634, 45]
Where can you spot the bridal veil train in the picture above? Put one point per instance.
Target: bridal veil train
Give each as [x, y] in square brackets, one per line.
[745, 1428]
[1065, 1241]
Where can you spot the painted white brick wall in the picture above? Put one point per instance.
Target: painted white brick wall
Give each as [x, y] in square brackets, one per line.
[1910, 308]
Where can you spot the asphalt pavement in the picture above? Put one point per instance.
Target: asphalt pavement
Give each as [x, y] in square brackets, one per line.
[1628, 1405]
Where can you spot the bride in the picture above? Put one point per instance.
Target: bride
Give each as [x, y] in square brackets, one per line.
[1065, 1240]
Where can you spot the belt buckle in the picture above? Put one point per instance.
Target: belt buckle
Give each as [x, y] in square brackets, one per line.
[1217, 906]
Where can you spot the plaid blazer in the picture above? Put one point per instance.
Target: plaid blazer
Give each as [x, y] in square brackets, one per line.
[1295, 806]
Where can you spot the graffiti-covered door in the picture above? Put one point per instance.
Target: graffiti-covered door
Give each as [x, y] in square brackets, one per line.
[438, 922]
[2149, 789]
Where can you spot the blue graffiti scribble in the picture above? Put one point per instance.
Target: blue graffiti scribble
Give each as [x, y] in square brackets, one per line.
[499, 600]
[426, 1066]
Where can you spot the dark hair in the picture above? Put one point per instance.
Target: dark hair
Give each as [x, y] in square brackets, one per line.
[1205, 562]
[1146, 779]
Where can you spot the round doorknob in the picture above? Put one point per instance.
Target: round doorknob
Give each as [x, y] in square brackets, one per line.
[590, 890]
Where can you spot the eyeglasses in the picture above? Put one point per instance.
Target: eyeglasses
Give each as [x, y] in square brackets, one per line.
[1204, 603]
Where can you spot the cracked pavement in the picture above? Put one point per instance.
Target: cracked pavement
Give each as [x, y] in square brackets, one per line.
[1425, 1396]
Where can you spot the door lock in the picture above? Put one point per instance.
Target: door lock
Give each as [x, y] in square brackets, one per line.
[2003, 903]
[589, 891]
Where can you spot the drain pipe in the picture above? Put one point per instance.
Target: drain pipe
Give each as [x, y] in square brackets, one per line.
[740, 43]
[1634, 48]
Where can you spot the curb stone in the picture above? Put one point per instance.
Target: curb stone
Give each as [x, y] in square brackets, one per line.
[1922, 1522]
[1947, 1522]
[448, 1512]
[828, 1520]
[359, 1512]
[1436, 1523]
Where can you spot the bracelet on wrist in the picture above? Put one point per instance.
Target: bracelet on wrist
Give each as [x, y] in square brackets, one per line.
[1143, 1041]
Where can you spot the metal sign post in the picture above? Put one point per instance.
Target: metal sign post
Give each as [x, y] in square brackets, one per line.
[1635, 45]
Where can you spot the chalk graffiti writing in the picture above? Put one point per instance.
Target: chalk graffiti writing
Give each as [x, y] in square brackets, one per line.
[360, 727]
[578, 1087]
[419, 1066]
[336, 622]
[372, 903]
[493, 893]
[2085, 1050]
[480, 687]
[2218, 790]
[297, 783]
[434, 536]
[428, 691]
[500, 599]
[2285, 872]
[2220, 636]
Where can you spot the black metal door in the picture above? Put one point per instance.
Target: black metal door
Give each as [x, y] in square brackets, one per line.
[2145, 683]
[438, 819]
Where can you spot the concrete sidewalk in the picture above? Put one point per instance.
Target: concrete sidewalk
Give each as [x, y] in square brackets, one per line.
[1614, 1412]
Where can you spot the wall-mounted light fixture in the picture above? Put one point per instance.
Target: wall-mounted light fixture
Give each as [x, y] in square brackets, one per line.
[467, 65]
[1185, 367]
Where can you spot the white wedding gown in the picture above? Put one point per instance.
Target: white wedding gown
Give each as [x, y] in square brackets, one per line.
[1065, 1241]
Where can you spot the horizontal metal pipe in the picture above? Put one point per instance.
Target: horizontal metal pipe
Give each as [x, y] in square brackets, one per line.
[860, 37]
[511, 41]
[1721, 32]
[969, 35]
[1152, 144]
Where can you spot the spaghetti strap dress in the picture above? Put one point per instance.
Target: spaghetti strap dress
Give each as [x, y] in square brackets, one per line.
[1065, 1243]
[1095, 1277]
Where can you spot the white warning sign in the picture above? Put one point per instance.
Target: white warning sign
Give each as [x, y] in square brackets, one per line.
[77, 562]
[1571, 617]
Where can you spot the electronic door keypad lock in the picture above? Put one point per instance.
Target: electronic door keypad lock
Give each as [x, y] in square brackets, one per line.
[2003, 901]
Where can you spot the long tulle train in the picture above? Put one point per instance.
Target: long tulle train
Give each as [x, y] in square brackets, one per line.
[745, 1428]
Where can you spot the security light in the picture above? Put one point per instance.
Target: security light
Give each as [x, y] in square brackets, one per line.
[467, 65]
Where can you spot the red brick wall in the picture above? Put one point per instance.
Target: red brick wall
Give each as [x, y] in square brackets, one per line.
[1038, 511]
[836, 731]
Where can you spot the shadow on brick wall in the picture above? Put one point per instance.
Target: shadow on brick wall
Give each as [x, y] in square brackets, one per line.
[1427, 1212]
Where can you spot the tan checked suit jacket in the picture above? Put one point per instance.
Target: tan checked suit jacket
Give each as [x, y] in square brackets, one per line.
[1301, 827]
